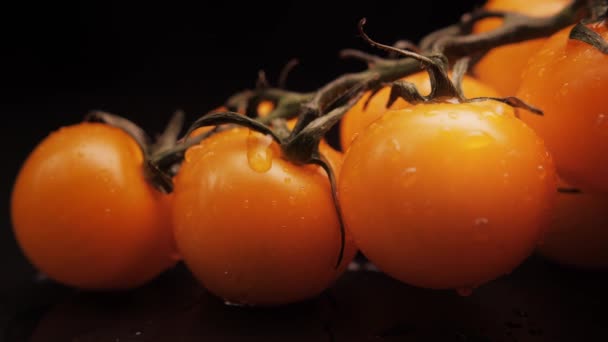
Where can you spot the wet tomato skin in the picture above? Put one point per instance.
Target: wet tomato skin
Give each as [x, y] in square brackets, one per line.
[84, 215]
[252, 227]
[359, 117]
[447, 195]
[502, 67]
[567, 79]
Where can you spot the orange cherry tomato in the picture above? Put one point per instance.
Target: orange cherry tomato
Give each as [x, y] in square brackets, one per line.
[447, 195]
[254, 228]
[578, 234]
[358, 118]
[502, 67]
[265, 107]
[567, 79]
[85, 216]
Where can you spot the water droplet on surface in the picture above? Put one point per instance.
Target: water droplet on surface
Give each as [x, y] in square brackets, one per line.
[520, 313]
[283, 226]
[229, 303]
[513, 325]
[246, 204]
[408, 176]
[601, 121]
[542, 173]
[564, 89]
[353, 266]
[396, 144]
[292, 200]
[273, 203]
[489, 114]
[259, 153]
[464, 291]
[191, 152]
[40, 277]
[541, 71]
[477, 140]
[107, 210]
[287, 180]
[481, 221]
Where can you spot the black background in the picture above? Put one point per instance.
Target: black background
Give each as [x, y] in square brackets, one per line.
[144, 61]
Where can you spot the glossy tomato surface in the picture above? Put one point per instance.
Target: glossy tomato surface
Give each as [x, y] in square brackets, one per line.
[85, 216]
[359, 117]
[252, 227]
[447, 195]
[502, 67]
[568, 79]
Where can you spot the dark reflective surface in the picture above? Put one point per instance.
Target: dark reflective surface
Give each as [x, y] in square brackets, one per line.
[538, 302]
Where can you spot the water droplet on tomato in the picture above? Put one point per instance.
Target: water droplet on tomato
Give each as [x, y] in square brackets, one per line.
[287, 180]
[541, 72]
[481, 221]
[292, 200]
[489, 114]
[259, 153]
[601, 121]
[396, 144]
[542, 173]
[274, 203]
[478, 139]
[246, 204]
[229, 303]
[564, 89]
[464, 291]
[408, 177]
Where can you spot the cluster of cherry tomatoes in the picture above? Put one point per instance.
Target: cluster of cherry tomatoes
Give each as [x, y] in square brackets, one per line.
[443, 195]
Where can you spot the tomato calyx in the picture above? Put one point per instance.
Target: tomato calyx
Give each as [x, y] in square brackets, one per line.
[586, 35]
[443, 89]
[157, 168]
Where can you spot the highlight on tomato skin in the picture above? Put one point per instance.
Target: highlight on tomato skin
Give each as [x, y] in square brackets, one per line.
[84, 215]
[254, 228]
[455, 195]
[502, 67]
[567, 79]
[578, 233]
[359, 117]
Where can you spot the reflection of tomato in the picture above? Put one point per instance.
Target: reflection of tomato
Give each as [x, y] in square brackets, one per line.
[502, 66]
[447, 195]
[578, 234]
[253, 227]
[567, 79]
[84, 214]
[358, 118]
